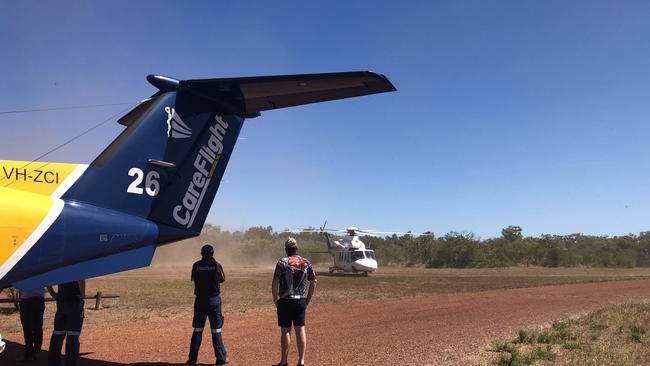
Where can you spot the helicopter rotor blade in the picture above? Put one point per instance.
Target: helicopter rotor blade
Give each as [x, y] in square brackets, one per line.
[311, 230]
[401, 233]
[363, 233]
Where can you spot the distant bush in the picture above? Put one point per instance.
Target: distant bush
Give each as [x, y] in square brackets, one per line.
[258, 245]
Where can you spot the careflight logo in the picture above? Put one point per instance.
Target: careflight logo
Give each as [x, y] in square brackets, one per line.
[176, 128]
[205, 164]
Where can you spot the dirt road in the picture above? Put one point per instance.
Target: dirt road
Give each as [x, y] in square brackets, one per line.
[427, 330]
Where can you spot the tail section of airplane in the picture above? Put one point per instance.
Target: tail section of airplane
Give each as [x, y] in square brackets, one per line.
[167, 164]
[190, 190]
[153, 184]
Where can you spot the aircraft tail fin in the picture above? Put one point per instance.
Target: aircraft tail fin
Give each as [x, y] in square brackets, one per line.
[169, 161]
[167, 164]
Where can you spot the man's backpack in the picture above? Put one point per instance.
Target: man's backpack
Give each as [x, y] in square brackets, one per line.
[293, 277]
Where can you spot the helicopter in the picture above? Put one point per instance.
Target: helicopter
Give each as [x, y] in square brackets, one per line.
[350, 254]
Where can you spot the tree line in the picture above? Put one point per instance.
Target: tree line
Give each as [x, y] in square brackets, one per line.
[260, 245]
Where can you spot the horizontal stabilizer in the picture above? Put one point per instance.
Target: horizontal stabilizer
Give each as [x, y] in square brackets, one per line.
[132, 259]
[248, 96]
[252, 95]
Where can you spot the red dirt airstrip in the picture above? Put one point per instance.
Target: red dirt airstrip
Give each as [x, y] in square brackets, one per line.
[426, 330]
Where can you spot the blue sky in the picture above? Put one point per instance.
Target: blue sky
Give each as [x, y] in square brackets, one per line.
[522, 113]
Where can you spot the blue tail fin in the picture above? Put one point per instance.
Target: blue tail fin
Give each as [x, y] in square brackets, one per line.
[167, 164]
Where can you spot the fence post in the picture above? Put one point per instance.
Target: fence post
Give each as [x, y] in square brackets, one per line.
[15, 296]
[98, 300]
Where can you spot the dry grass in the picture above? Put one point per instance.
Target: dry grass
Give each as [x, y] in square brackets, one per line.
[615, 335]
[166, 292]
[248, 288]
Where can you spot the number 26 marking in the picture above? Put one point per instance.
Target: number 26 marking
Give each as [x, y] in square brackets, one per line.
[152, 186]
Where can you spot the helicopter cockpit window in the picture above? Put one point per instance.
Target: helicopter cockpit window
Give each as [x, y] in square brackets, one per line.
[356, 255]
[370, 254]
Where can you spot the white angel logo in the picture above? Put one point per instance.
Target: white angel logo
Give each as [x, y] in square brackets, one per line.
[176, 128]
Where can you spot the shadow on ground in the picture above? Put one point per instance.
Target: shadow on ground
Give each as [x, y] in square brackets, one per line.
[338, 274]
[14, 351]
[8, 311]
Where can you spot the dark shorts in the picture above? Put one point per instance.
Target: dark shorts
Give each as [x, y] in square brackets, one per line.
[291, 311]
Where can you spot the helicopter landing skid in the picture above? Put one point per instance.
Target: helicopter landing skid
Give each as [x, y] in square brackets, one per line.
[331, 270]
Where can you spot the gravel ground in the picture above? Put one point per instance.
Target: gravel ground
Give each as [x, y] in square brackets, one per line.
[437, 329]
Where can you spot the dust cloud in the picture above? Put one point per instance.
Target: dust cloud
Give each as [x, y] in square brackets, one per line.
[228, 249]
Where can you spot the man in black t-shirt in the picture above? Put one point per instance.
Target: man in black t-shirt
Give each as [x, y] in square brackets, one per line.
[207, 275]
[293, 286]
[68, 320]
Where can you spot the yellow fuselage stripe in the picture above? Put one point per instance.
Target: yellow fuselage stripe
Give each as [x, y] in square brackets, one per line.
[20, 214]
[36, 177]
[29, 204]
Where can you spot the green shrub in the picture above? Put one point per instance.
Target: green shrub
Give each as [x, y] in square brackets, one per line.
[571, 346]
[524, 337]
[512, 358]
[541, 354]
[561, 330]
[636, 333]
[544, 337]
[503, 347]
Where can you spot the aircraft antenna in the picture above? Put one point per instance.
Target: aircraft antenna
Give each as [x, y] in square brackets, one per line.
[85, 132]
[64, 108]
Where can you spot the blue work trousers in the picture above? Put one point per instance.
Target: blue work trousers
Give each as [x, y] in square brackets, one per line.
[31, 317]
[207, 308]
[68, 320]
